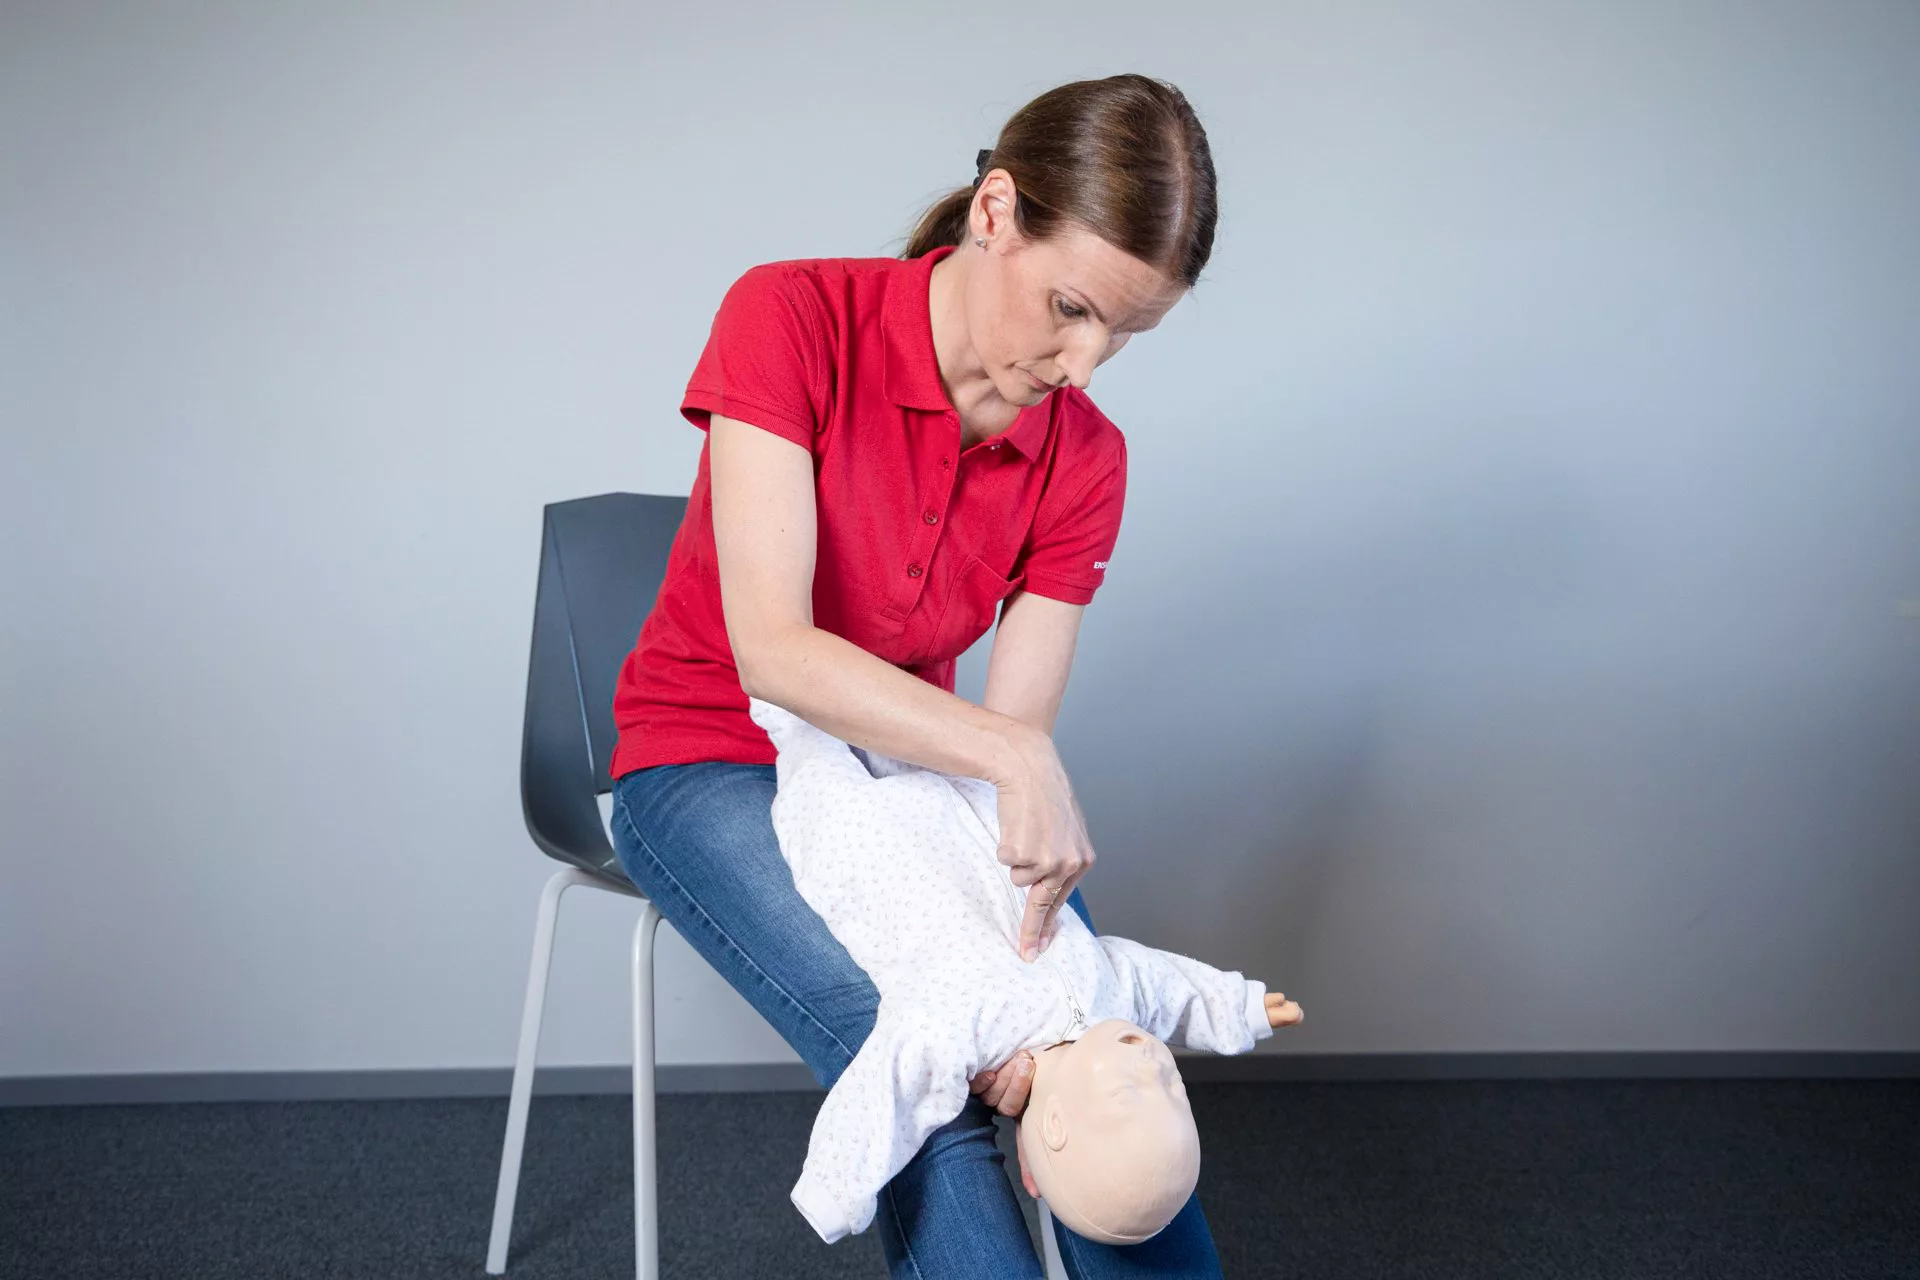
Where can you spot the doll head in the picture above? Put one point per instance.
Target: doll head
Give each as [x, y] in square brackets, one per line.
[1108, 1136]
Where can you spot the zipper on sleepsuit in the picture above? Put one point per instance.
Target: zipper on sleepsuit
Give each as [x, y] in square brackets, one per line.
[972, 819]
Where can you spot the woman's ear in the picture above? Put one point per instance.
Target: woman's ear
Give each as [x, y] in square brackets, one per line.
[1053, 1123]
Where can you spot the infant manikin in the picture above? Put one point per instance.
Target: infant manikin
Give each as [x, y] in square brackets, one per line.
[900, 862]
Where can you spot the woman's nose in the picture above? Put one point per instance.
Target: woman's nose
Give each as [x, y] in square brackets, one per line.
[1078, 368]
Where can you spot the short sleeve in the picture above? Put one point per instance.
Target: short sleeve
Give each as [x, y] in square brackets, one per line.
[1072, 541]
[765, 358]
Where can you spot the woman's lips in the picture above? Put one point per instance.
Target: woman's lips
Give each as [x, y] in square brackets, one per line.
[1037, 384]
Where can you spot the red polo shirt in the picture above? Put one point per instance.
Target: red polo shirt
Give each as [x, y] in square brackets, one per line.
[919, 542]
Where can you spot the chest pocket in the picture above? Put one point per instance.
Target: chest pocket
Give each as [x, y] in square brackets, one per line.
[972, 600]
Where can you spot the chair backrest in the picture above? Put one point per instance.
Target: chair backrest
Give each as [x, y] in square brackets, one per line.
[601, 563]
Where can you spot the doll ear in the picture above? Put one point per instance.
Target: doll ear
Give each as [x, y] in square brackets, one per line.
[1053, 1125]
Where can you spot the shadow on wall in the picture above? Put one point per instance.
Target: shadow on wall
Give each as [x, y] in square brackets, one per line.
[1265, 742]
[1226, 842]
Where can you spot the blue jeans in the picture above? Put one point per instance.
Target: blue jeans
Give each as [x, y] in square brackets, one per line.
[698, 840]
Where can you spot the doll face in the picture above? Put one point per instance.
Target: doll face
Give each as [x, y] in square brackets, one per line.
[1121, 1070]
[1108, 1133]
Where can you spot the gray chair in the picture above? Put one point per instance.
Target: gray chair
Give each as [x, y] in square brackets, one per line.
[601, 563]
[602, 560]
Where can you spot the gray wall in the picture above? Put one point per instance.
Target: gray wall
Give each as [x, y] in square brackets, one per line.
[1514, 642]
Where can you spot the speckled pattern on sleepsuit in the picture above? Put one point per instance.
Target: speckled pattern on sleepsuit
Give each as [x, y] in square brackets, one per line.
[901, 863]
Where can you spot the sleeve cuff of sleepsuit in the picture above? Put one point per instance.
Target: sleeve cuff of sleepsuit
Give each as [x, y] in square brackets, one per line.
[820, 1212]
[1257, 1010]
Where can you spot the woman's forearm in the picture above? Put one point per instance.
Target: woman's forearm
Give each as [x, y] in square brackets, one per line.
[837, 686]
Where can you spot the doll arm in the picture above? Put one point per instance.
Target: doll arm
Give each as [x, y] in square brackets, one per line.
[909, 1078]
[1182, 1001]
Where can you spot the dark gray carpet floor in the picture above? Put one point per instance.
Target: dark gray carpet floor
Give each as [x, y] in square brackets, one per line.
[1422, 1181]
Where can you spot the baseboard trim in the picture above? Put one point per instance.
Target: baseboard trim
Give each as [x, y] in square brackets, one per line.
[486, 1082]
[450, 1082]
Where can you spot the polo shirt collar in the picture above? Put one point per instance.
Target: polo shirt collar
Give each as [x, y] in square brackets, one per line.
[912, 370]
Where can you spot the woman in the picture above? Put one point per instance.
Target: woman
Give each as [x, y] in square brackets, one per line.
[896, 449]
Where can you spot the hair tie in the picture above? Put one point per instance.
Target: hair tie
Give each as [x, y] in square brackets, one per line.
[980, 165]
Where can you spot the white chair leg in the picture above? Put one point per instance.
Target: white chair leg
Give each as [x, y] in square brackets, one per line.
[1050, 1244]
[530, 1013]
[646, 1222]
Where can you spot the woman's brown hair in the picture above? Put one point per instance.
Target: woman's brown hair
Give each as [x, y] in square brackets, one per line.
[1125, 157]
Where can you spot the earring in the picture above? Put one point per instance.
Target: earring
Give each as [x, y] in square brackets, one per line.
[981, 241]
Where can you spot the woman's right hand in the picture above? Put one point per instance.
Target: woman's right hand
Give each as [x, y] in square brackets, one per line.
[1043, 836]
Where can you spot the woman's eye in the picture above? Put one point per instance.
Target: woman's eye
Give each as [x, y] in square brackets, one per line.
[1070, 312]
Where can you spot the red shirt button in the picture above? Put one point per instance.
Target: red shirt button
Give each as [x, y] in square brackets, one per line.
[933, 517]
[913, 571]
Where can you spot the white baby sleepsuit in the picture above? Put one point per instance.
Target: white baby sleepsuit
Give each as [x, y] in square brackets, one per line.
[900, 862]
